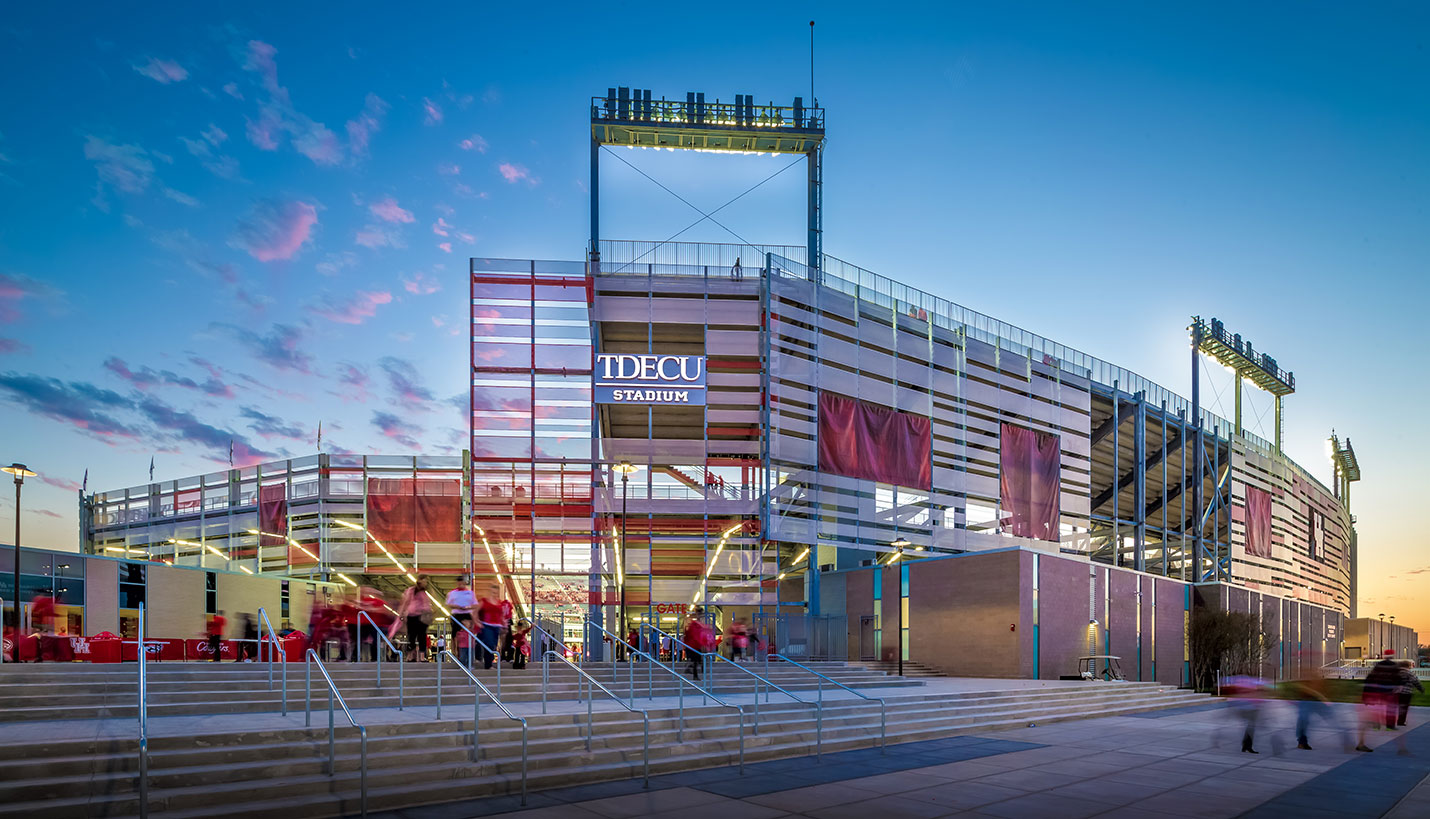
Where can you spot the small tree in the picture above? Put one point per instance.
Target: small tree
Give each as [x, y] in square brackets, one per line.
[1229, 642]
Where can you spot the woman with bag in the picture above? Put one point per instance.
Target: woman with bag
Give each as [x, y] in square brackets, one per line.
[416, 608]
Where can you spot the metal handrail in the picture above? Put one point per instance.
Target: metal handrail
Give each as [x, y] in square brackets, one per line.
[334, 694]
[477, 714]
[562, 643]
[680, 693]
[707, 655]
[275, 648]
[401, 663]
[143, 719]
[591, 681]
[883, 706]
[472, 658]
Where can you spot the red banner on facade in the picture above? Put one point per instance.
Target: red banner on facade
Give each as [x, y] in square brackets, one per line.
[861, 440]
[1029, 462]
[405, 510]
[1258, 522]
[273, 514]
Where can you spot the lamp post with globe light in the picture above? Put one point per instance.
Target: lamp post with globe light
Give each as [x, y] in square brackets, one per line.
[899, 605]
[21, 472]
[626, 468]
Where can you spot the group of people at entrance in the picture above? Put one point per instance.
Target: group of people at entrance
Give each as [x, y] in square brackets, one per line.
[484, 622]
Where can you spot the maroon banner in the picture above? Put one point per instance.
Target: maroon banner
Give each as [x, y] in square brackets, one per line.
[404, 510]
[1029, 463]
[861, 440]
[1258, 522]
[273, 514]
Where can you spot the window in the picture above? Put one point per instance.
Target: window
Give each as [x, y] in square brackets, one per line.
[904, 610]
[131, 585]
[283, 601]
[210, 593]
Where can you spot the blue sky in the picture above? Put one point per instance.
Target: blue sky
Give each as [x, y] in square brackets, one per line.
[231, 225]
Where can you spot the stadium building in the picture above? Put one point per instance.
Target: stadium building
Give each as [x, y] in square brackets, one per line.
[771, 433]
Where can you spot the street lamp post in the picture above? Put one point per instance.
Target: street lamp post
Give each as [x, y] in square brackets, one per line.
[626, 468]
[1392, 636]
[1381, 633]
[899, 605]
[21, 472]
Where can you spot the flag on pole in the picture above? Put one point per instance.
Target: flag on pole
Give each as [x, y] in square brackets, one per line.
[230, 453]
[84, 485]
[151, 468]
[320, 436]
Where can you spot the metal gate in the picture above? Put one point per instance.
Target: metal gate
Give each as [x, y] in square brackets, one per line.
[868, 627]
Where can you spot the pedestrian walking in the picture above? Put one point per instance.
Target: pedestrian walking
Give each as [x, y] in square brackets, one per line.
[1246, 693]
[248, 647]
[416, 607]
[461, 601]
[1311, 702]
[1378, 698]
[693, 637]
[1409, 684]
[215, 634]
[489, 624]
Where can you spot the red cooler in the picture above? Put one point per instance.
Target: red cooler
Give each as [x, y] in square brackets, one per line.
[104, 648]
[295, 647]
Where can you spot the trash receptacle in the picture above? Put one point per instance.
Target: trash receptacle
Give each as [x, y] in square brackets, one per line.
[104, 648]
[295, 646]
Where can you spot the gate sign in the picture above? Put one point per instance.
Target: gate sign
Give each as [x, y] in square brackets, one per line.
[650, 379]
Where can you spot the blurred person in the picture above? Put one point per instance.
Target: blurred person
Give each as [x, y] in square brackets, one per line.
[1378, 697]
[461, 601]
[1247, 696]
[490, 611]
[739, 638]
[1311, 701]
[520, 644]
[248, 647]
[42, 624]
[1409, 684]
[372, 603]
[416, 607]
[215, 634]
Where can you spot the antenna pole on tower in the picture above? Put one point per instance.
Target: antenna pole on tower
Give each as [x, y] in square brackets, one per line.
[813, 100]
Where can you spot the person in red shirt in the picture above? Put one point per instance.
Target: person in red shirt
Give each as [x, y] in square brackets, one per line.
[694, 639]
[491, 614]
[215, 631]
[42, 620]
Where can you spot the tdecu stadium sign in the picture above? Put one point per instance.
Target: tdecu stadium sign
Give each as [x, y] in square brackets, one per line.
[650, 379]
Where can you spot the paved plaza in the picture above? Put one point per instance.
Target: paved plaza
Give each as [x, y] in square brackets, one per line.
[1159, 765]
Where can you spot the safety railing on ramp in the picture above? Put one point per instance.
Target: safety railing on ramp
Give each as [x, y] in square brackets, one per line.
[274, 647]
[471, 658]
[334, 696]
[477, 714]
[377, 648]
[708, 659]
[651, 664]
[143, 721]
[883, 706]
[590, 722]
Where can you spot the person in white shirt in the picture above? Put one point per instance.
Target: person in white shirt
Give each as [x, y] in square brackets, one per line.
[461, 602]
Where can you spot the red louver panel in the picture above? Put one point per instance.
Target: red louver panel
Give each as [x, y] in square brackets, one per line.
[273, 514]
[1258, 522]
[1029, 463]
[397, 513]
[862, 440]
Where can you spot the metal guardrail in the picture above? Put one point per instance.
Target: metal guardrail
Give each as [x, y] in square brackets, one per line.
[883, 706]
[590, 723]
[334, 695]
[472, 658]
[275, 647]
[401, 663]
[477, 714]
[143, 719]
[651, 664]
[708, 658]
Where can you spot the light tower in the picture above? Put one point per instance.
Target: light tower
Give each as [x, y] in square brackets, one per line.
[1343, 458]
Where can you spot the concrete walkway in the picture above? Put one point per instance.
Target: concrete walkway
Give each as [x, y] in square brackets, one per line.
[1160, 765]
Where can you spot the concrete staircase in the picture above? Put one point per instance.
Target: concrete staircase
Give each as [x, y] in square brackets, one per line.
[201, 768]
[75, 691]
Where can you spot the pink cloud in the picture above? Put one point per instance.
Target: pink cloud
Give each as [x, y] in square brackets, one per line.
[355, 310]
[61, 483]
[361, 129]
[433, 112]
[449, 169]
[163, 71]
[13, 345]
[446, 247]
[441, 228]
[438, 321]
[474, 143]
[277, 117]
[14, 289]
[466, 237]
[231, 89]
[389, 211]
[276, 230]
[421, 284]
[261, 58]
[513, 173]
[375, 236]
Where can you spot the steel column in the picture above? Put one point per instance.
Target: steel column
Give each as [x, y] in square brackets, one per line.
[1139, 463]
